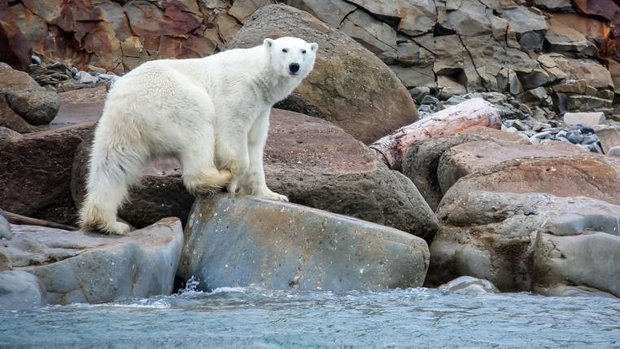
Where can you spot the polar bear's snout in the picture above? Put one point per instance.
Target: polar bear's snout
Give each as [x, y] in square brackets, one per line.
[293, 68]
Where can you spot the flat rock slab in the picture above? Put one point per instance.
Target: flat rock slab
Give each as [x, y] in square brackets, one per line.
[251, 242]
[90, 268]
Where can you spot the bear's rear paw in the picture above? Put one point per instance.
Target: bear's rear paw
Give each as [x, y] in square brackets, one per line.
[273, 196]
[118, 228]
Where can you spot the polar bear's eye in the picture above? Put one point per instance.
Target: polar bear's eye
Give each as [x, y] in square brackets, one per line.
[303, 52]
[285, 50]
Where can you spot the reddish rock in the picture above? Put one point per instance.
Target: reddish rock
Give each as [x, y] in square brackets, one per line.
[421, 159]
[467, 158]
[14, 47]
[34, 173]
[607, 9]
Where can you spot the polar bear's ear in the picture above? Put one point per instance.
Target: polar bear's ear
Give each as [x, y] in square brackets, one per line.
[268, 43]
[314, 46]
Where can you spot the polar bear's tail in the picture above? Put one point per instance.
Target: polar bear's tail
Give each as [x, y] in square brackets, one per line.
[112, 169]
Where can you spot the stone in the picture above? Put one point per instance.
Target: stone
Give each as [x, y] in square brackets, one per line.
[554, 5]
[564, 37]
[562, 176]
[9, 119]
[20, 290]
[579, 103]
[448, 87]
[5, 228]
[376, 36]
[286, 246]
[527, 27]
[74, 266]
[35, 104]
[607, 9]
[332, 12]
[595, 74]
[469, 19]
[614, 151]
[578, 248]
[35, 173]
[466, 158]
[493, 236]
[15, 49]
[367, 100]
[571, 86]
[469, 286]
[608, 137]
[85, 78]
[585, 119]
[242, 9]
[411, 17]
[311, 161]
[614, 70]
[422, 158]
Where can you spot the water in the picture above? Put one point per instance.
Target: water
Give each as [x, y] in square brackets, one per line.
[251, 318]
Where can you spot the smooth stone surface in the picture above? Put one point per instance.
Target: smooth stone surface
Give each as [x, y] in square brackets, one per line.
[20, 290]
[470, 286]
[251, 242]
[5, 228]
[91, 268]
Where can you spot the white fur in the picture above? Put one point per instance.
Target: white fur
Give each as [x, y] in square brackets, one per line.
[211, 113]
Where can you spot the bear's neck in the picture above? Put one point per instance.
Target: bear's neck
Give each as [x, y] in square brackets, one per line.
[274, 87]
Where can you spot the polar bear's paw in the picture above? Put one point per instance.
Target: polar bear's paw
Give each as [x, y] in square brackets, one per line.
[117, 228]
[269, 195]
[207, 182]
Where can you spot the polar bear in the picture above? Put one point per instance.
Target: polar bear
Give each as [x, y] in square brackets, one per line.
[211, 113]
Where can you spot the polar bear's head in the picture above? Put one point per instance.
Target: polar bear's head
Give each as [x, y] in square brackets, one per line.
[291, 56]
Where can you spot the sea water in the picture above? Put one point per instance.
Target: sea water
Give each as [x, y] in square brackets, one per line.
[254, 318]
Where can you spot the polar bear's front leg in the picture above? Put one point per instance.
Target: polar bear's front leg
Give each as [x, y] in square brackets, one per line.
[253, 183]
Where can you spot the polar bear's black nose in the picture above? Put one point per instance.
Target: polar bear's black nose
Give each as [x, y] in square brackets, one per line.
[293, 67]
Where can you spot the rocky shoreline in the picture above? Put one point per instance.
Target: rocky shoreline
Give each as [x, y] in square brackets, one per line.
[529, 203]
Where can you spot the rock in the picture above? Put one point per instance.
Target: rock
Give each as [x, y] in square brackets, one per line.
[411, 18]
[311, 161]
[607, 9]
[579, 248]
[376, 36]
[469, 19]
[285, 246]
[575, 291]
[11, 120]
[525, 26]
[35, 104]
[614, 151]
[561, 176]
[469, 286]
[579, 103]
[15, 49]
[554, 5]
[367, 100]
[5, 228]
[80, 106]
[609, 138]
[591, 71]
[422, 158]
[565, 36]
[85, 78]
[492, 235]
[332, 12]
[88, 268]
[585, 119]
[571, 86]
[35, 173]
[466, 158]
[20, 290]
[241, 10]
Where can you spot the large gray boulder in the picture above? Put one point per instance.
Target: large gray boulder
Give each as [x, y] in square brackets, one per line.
[527, 242]
[89, 268]
[251, 242]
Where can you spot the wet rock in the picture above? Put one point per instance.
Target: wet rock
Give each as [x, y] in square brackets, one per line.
[492, 235]
[585, 119]
[35, 173]
[469, 286]
[421, 159]
[20, 290]
[88, 268]
[367, 100]
[579, 248]
[285, 246]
